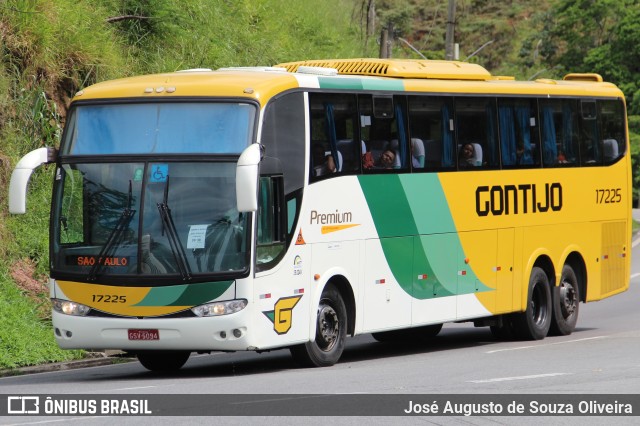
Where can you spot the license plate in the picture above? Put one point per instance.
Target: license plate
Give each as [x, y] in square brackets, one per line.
[138, 334]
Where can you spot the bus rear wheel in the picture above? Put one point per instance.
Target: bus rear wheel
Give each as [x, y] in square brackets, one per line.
[163, 361]
[566, 303]
[331, 331]
[534, 322]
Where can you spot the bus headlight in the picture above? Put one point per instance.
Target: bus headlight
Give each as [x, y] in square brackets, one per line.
[68, 307]
[220, 308]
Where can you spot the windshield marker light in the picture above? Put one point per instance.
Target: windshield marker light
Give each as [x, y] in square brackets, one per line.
[68, 307]
[220, 308]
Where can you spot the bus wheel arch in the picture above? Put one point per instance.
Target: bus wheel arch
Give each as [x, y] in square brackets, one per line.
[346, 291]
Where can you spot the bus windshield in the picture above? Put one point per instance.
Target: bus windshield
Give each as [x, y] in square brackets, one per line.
[148, 219]
[122, 214]
[159, 128]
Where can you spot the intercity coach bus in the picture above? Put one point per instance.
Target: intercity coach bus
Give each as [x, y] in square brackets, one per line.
[290, 206]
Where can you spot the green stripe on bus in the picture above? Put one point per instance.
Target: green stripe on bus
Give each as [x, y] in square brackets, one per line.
[197, 294]
[185, 294]
[388, 204]
[372, 84]
[417, 234]
[360, 84]
[340, 83]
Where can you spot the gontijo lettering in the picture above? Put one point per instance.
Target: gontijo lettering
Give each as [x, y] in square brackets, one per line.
[525, 198]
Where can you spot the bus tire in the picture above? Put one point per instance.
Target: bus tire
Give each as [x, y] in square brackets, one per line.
[331, 331]
[534, 322]
[566, 303]
[163, 361]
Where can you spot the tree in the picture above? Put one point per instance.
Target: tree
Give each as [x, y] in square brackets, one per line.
[596, 36]
[392, 16]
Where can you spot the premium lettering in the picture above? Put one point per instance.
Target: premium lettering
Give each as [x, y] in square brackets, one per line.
[501, 200]
[330, 218]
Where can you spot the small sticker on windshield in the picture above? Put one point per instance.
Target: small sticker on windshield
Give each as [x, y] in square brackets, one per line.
[137, 175]
[197, 234]
[159, 172]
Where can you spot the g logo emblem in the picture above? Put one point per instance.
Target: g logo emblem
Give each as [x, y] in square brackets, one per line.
[282, 314]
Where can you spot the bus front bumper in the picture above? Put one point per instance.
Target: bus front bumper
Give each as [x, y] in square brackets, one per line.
[225, 333]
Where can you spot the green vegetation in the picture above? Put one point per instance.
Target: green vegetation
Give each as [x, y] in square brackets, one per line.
[50, 49]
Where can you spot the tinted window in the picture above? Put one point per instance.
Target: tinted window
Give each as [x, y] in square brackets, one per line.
[153, 128]
[476, 132]
[335, 145]
[431, 129]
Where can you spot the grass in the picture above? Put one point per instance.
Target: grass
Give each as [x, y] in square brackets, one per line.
[25, 337]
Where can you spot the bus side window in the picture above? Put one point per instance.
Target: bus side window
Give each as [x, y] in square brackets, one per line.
[384, 132]
[431, 130]
[518, 133]
[590, 140]
[559, 133]
[333, 147]
[476, 132]
[271, 225]
[611, 118]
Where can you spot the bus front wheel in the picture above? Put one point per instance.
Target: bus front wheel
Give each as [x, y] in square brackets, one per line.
[331, 331]
[566, 303]
[534, 322]
[163, 361]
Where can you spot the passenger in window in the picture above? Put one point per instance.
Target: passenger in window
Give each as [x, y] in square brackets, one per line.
[323, 163]
[386, 160]
[467, 156]
[562, 159]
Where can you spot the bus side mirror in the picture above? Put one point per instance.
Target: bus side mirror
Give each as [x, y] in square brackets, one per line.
[247, 178]
[21, 175]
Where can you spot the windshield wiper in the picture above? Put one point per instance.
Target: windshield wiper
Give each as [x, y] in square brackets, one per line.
[114, 238]
[172, 234]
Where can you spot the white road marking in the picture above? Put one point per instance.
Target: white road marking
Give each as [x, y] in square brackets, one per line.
[506, 379]
[546, 344]
[635, 275]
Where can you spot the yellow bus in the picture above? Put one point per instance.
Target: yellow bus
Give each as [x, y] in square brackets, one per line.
[291, 206]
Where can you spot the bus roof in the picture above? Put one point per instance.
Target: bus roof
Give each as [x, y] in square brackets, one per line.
[403, 68]
[397, 75]
[251, 83]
